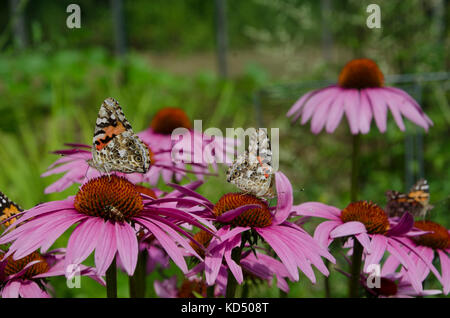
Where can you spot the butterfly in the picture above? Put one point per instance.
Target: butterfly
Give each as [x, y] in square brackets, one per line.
[252, 171]
[8, 209]
[115, 146]
[415, 202]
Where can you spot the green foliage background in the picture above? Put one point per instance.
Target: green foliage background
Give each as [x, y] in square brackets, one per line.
[50, 93]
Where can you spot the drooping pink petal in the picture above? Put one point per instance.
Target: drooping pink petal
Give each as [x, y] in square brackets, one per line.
[363, 238]
[322, 232]
[351, 108]
[410, 109]
[282, 251]
[404, 225]
[335, 113]
[445, 269]
[377, 249]
[30, 289]
[167, 243]
[42, 232]
[317, 209]
[106, 247]
[235, 269]
[232, 214]
[285, 197]
[347, 229]
[311, 105]
[187, 191]
[11, 290]
[407, 263]
[365, 113]
[379, 107]
[177, 237]
[83, 240]
[299, 104]
[127, 246]
[213, 263]
[320, 115]
[395, 110]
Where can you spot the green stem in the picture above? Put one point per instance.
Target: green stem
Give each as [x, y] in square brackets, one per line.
[357, 247]
[355, 167]
[137, 281]
[327, 280]
[210, 291]
[245, 290]
[111, 280]
[355, 272]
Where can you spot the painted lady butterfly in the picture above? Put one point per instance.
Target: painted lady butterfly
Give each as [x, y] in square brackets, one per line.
[115, 146]
[252, 171]
[415, 202]
[8, 209]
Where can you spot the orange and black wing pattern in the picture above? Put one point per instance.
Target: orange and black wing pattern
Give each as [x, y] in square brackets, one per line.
[7, 210]
[415, 202]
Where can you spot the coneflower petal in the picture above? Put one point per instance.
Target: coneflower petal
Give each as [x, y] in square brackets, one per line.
[106, 247]
[127, 246]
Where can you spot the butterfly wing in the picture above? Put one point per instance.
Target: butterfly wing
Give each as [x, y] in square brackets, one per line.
[8, 209]
[115, 146]
[252, 172]
[415, 202]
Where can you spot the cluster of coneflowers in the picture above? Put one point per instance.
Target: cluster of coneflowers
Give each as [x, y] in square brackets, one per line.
[127, 223]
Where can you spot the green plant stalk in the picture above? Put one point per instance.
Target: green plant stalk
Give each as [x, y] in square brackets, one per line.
[355, 269]
[137, 282]
[356, 140]
[357, 247]
[111, 280]
[210, 291]
[327, 284]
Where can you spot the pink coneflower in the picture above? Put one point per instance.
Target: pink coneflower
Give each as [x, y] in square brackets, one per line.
[201, 149]
[434, 244]
[25, 277]
[77, 170]
[361, 95]
[370, 226]
[242, 215]
[259, 267]
[109, 211]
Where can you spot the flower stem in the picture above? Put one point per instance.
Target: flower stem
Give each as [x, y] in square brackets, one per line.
[111, 280]
[327, 280]
[210, 291]
[355, 269]
[355, 167]
[357, 247]
[137, 281]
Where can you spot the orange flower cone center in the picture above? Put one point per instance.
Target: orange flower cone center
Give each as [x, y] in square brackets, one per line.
[371, 215]
[168, 119]
[109, 197]
[257, 217]
[15, 266]
[438, 239]
[361, 73]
